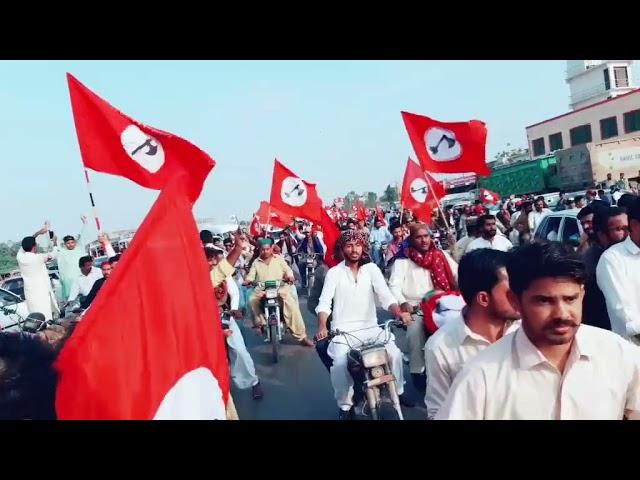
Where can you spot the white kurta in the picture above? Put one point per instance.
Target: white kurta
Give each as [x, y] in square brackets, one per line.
[512, 380]
[445, 353]
[38, 291]
[353, 309]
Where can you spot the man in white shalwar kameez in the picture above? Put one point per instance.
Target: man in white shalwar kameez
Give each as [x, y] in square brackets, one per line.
[38, 291]
[69, 254]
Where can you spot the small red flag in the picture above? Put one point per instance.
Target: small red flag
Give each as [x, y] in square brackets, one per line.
[294, 196]
[330, 235]
[487, 196]
[111, 142]
[441, 147]
[420, 192]
[269, 215]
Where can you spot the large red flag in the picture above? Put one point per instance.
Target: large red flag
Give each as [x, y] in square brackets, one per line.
[269, 215]
[294, 196]
[420, 192]
[151, 345]
[111, 142]
[441, 147]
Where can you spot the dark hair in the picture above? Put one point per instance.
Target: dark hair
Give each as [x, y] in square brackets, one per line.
[478, 272]
[84, 260]
[115, 258]
[210, 252]
[601, 218]
[351, 220]
[634, 210]
[540, 199]
[601, 192]
[394, 225]
[578, 198]
[66, 238]
[626, 200]
[534, 261]
[562, 192]
[227, 240]
[28, 379]
[206, 236]
[28, 243]
[482, 219]
[584, 211]
[104, 264]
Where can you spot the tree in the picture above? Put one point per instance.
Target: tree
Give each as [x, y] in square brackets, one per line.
[372, 199]
[390, 194]
[350, 200]
[8, 252]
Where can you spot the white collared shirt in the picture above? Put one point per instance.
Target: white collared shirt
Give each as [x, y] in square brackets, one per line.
[446, 352]
[409, 282]
[618, 276]
[499, 242]
[353, 299]
[512, 380]
[83, 284]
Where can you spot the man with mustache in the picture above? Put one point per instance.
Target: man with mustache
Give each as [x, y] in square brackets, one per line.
[489, 236]
[552, 367]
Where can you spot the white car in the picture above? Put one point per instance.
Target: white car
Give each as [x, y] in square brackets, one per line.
[562, 226]
[13, 309]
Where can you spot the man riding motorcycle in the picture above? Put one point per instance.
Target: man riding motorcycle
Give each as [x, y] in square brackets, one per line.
[419, 269]
[268, 267]
[310, 245]
[351, 286]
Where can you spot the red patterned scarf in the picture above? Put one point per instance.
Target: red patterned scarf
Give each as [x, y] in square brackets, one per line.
[436, 262]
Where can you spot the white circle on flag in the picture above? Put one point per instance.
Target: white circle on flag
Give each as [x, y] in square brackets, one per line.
[144, 149]
[442, 144]
[293, 192]
[195, 396]
[488, 197]
[419, 190]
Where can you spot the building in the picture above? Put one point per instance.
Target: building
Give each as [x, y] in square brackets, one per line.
[592, 81]
[591, 141]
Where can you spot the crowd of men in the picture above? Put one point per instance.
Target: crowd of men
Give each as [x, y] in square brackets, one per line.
[526, 329]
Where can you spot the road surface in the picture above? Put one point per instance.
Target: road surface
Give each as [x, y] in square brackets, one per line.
[298, 386]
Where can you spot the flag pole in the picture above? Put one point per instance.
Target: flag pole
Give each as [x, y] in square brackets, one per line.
[93, 205]
[444, 217]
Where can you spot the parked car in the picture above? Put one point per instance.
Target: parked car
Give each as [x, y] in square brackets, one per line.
[15, 285]
[13, 309]
[560, 226]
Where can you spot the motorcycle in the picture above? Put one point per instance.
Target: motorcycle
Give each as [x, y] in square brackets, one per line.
[310, 263]
[370, 367]
[33, 323]
[276, 327]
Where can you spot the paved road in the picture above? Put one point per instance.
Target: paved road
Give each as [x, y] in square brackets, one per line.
[298, 386]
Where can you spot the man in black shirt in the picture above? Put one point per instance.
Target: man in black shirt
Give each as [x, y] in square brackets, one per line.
[106, 271]
[610, 226]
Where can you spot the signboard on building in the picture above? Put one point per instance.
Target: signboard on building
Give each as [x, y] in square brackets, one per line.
[616, 157]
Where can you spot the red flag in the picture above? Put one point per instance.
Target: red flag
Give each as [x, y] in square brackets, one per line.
[358, 209]
[151, 345]
[420, 192]
[441, 147]
[111, 142]
[487, 196]
[380, 214]
[254, 228]
[294, 196]
[330, 235]
[269, 215]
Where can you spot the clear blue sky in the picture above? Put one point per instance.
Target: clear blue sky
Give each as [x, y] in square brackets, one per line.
[336, 123]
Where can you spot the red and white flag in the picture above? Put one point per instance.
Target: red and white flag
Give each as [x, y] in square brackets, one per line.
[292, 195]
[420, 192]
[254, 228]
[359, 211]
[330, 235]
[151, 345]
[112, 142]
[487, 196]
[269, 215]
[441, 147]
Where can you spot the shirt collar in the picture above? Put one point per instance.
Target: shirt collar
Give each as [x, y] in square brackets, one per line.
[632, 248]
[529, 356]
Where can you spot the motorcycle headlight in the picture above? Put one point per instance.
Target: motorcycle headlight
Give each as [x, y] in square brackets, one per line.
[272, 294]
[377, 372]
